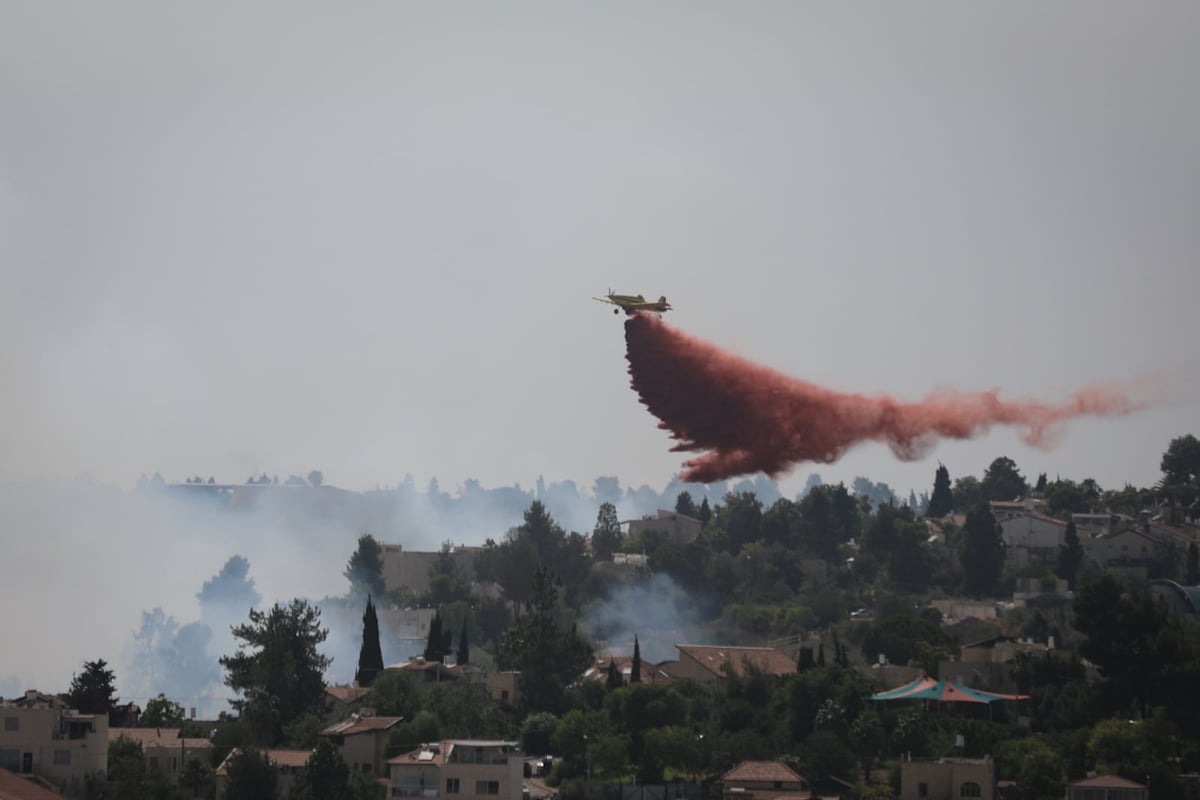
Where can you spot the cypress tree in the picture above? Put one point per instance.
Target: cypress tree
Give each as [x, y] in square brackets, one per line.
[436, 641]
[1070, 556]
[464, 652]
[941, 502]
[614, 675]
[370, 657]
[635, 672]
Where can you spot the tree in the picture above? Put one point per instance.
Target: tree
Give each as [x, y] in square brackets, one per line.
[549, 655]
[1181, 461]
[195, 776]
[325, 775]
[127, 768]
[967, 493]
[315, 478]
[251, 777]
[464, 651]
[982, 554]
[365, 568]
[635, 670]
[370, 656]
[705, 513]
[446, 584]
[741, 519]
[230, 591]
[829, 518]
[1003, 481]
[941, 502]
[93, 691]
[613, 678]
[685, 505]
[394, 693]
[437, 645]
[277, 668]
[606, 536]
[161, 713]
[1070, 556]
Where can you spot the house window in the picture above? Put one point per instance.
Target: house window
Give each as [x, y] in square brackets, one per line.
[451, 785]
[153, 762]
[487, 787]
[504, 695]
[366, 768]
[970, 789]
[62, 758]
[922, 790]
[12, 723]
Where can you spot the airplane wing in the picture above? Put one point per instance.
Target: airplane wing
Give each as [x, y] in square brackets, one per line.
[606, 300]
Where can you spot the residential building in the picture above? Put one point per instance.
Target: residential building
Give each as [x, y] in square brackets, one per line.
[164, 749]
[650, 673]
[53, 743]
[458, 769]
[345, 700]
[362, 738]
[1031, 538]
[429, 672]
[1106, 787]
[763, 780]
[408, 570]
[287, 763]
[948, 779]
[505, 688]
[1129, 551]
[709, 664]
[679, 528]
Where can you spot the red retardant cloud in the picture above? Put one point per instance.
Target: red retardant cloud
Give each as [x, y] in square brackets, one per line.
[746, 418]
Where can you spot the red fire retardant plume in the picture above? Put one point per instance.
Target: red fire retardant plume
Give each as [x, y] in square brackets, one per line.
[746, 418]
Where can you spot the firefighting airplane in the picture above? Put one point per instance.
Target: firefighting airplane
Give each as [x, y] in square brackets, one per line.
[630, 303]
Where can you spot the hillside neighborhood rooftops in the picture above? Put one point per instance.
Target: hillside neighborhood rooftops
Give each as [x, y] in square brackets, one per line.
[761, 772]
[361, 723]
[717, 659]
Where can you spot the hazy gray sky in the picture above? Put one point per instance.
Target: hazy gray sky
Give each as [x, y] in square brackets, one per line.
[239, 238]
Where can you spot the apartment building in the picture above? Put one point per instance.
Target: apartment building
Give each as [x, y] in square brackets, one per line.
[362, 739]
[54, 743]
[948, 779]
[165, 751]
[458, 769]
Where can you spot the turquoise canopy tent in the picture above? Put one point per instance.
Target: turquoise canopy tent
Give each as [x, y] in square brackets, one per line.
[927, 688]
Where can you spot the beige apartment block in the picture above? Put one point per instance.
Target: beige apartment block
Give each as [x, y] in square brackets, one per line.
[458, 769]
[362, 739]
[948, 779]
[164, 750]
[55, 744]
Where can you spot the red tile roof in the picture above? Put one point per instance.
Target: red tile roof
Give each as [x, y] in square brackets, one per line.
[278, 758]
[347, 694]
[360, 724]
[761, 772]
[157, 737]
[713, 658]
[15, 787]
[650, 672]
[423, 756]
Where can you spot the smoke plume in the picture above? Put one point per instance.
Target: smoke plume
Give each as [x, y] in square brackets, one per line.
[746, 418]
